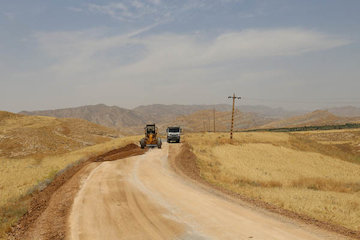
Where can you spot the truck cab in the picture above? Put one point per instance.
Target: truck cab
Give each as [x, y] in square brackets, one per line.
[173, 134]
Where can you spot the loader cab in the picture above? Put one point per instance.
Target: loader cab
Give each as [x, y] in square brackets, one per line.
[151, 138]
[150, 129]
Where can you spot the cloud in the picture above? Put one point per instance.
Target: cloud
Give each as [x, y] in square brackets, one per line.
[129, 10]
[156, 10]
[135, 55]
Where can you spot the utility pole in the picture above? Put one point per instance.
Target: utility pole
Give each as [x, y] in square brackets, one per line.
[214, 120]
[209, 129]
[232, 115]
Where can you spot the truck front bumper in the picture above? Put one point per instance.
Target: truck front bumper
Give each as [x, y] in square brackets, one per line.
[173, 138]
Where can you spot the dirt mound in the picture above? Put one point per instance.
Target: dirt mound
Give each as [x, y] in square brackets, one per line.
[127, 151]
[185, 162]
[49, 208]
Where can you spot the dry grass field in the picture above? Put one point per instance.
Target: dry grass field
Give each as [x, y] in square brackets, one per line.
[313, 173]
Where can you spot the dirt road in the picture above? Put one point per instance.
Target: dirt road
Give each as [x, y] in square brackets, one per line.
[141, 197]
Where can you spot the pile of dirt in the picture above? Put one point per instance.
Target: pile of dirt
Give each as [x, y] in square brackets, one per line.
[47, 215]
[185, 164]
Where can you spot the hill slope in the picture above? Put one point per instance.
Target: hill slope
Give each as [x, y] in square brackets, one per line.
[316, 118]
[347, 111]
[22, 135]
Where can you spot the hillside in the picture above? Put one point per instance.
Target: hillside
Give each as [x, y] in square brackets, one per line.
[163, 113]
[110, 116]
[203, 120]
[316, 118]
[37, 136]
[346, 111]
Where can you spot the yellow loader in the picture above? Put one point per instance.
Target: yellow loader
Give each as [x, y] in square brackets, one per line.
[151, 138]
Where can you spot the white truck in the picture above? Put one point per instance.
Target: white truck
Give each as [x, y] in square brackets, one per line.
[173, 134]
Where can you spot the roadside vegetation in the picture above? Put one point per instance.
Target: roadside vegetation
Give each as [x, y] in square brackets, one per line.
[311, 173]
[21, 177]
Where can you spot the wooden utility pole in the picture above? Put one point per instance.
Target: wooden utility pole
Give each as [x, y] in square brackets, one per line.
[214, 120]
[232, 115]
[209, 129]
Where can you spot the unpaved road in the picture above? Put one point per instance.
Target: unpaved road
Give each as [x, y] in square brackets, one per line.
[141, 197]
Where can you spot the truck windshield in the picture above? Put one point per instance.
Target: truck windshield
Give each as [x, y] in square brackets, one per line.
[174, 130]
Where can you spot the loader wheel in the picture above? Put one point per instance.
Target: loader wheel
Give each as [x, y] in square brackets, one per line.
[159, 143]
[142, 143]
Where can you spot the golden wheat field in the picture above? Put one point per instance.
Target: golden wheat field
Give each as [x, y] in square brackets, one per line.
[314, 173]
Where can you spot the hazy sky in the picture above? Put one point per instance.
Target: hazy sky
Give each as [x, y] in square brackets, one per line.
[294, 54]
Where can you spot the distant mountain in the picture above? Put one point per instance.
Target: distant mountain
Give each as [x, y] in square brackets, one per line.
[110, 116]
[39, 136]
[316, 118]
[269, 112]
[132, 121]
[346, 111]
[163, 113]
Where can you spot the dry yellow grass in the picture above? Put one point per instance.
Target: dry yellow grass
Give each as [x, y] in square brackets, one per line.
[36, 136]
[293, 171]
